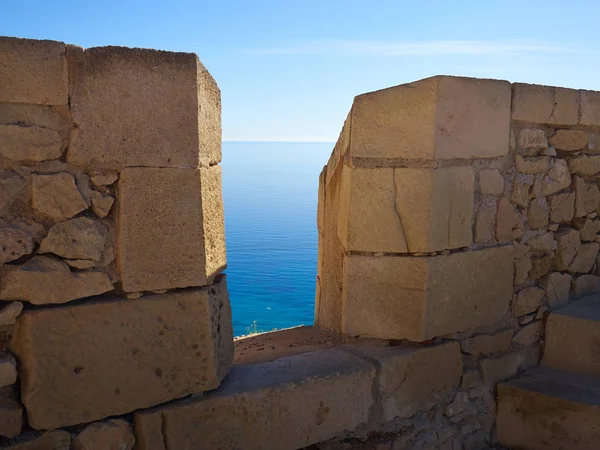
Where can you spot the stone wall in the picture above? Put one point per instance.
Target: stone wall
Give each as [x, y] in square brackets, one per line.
[461, 210]
[112, 240]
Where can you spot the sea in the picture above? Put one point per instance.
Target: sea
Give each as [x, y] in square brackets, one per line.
[270, 196]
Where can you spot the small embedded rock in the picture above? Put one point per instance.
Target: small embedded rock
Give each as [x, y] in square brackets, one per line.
[529, 334]
[509, 225]
[538, 213]
[558, 177]
[101, 203]
[11, 423]
[43, 280]
[11, 185]
[521, 189]
[522, 268]
[588, 228]
[52, 440]
[567, 246]
[79, 238]
[459, 405]
[532, 139]
[80, 263]
[540, 265]
[557, 286]
[57, 196]
[485, 344]
[14, 243]
[485, 223]
[29, 144]
[104, 179]
[491, 182]
[527, 301]
[8, 370]
[585, 258]
[9, 313]
[569, 140]
[585, 285]
[587, 197]
[134, 295]
[562, 207]
[532, 165]
[585, 165]
[543, 243]
[113, 434]
[469, 380]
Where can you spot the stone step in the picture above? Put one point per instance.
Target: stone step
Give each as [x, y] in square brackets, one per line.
[550, 409]
[573, 337]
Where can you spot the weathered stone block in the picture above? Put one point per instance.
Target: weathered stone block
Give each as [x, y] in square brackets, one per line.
[11, 417]
[79, 238]
[418, 298]
[29, 144]
[436, 118]
[415, 379]
[86, 362]
[54, 440]
[486, 344]
[182, 206]
[527, 301]
[549, 410]
[569, 140]
[494, 370]
[585, 165]
[33, 71]
[289, 403]
[557, 286]
[545, 104]
[532, 139]
[590, 108]
[585, 285]
[57, 195]
[399, 210]
[491, 182]
[170, 116]
[115, 434]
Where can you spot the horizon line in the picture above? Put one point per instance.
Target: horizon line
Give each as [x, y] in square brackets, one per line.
[281, 140]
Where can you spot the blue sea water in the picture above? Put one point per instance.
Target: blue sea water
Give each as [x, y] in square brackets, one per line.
[270, 195]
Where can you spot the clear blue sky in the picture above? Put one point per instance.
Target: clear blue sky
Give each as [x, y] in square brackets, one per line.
[289, 69]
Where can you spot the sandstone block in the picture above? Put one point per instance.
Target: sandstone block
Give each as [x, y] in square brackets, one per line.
[182, 206]
[585, 165]
[33, 72]
[418, 298]
[57, 196]
[529, 334]
[101, 204]
[289, 403]
[113, 434]
[104, 179]
[587, 197]
[522, 268]
[416, 379]
[494, 370]
[585, 285]
[86, 362]
[527, 301]
[436, 118]
[538, 213]
[80, 238]
[545, 104]
[11, 418]
[543, 243]
[558, 177]
[29, 144]
[569, 140]
[522, 187]
[532, 139]
[567, 246]
[540, 265]
[43, 280]
[9, 313]
[532, 165]
[491, 182]
[549, 409]
[585, 258]
[53, 440]
[8, 370]
[590, 108]
[485, 344]
[171, 116]
[588, 228]
[557, 286]
[11, 185]
[485, 223]
[562, 207]
[15, 243]
[509, 224]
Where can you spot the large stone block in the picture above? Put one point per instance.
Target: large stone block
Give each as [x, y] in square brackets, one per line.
[149, 108]
[400, 210]
[432, 119]
[289, 403]
[549, 410]
[545, 104]
[418, 298]
[82, 363]
[415, 379]
[170, 227]
[33, 71]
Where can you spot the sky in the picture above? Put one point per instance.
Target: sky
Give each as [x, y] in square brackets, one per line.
[289, 70]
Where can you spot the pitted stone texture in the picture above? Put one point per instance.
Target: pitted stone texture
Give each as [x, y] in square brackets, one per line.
[57, 196]
[53, 440]
[491, 182]
[532, 139]
[588, 228]
[436, 118]
[557, 286]
[289, 403]
[494, 370]
[11, 185]
[101, 204]
[585, 285]
[11, 418]
[585, 258]
[569, 140]
[182, 206]
[104, 179]
[538, 212]
[568, 243]
[545, 104]
[33, 71]
[558, 177]
[400, 210]
[419, 298]
[415, 379]
[585, 165]
[562, 207]
[43, 280]
[549, 409]
[170, 116]
[509, 225]
[532, 165]
[486, 344]
[529, 334]
[80, 238]
[29, 144]
[587, 197]
[115, 434]
[543, 243]
[527, 301]
[590, 108]
[14, 243]
[485, 222]
[86, 362]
